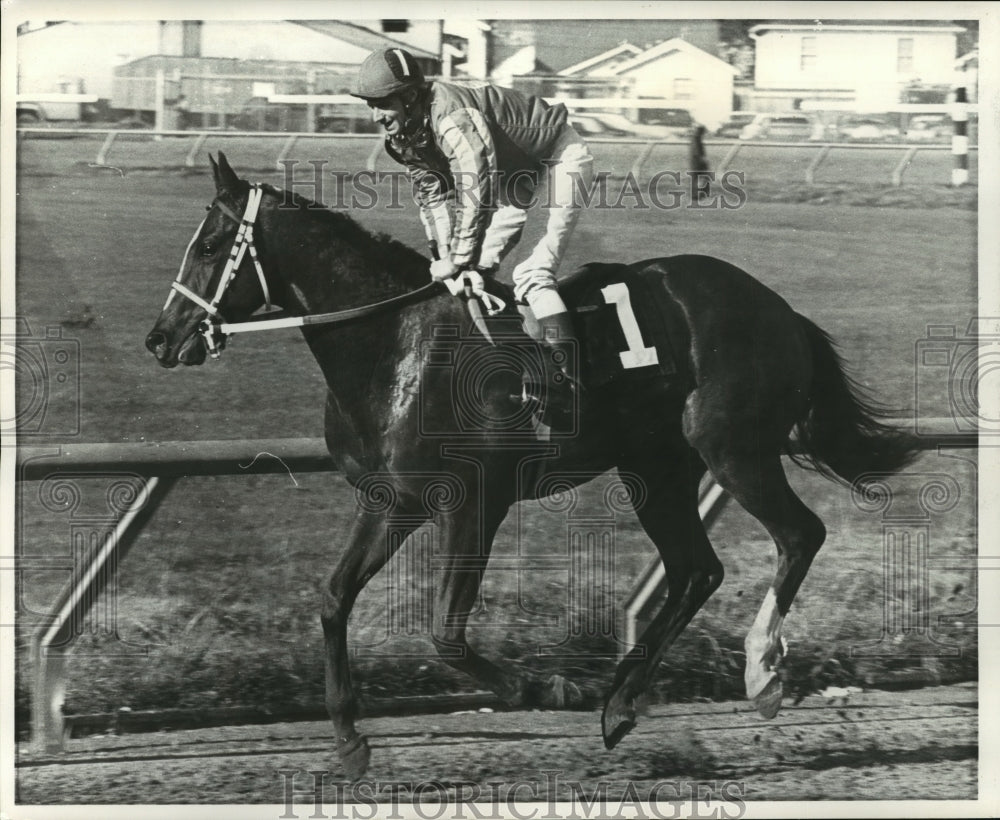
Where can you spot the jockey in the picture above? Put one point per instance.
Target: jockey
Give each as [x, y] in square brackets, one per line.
[486, 148]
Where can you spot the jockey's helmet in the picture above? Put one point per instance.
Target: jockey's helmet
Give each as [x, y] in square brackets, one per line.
[386, 72]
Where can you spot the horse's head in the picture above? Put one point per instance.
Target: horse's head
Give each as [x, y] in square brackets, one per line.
[221, 277]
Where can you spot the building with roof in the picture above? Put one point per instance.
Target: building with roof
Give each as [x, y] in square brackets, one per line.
[501, 49]
[673, 72]
[560, 44]
[603, 64]
[868, 63]
[686, 76]
[84, 56]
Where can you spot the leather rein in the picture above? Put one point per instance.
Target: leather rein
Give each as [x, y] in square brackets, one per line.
[215, 329]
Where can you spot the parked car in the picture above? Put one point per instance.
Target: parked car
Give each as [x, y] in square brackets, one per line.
[621, 125]
[589, 126]
[783, 127]
[867, 128]
[674, 122]
[344, 119]
[260, 115]
[930, 128]
[737, 122]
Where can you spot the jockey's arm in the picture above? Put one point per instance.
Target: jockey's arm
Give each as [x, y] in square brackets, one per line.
[465, 140]
[434, 211]
[436, 218]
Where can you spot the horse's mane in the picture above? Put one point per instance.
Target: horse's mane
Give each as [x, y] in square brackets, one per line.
[396, 254]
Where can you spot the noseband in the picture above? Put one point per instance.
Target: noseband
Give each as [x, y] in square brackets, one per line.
[215, 329]
[243, 242]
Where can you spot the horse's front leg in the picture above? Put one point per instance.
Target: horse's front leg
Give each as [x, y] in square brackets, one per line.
[368, 549]
[466, 548]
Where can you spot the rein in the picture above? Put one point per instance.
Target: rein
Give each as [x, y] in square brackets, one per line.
[215, 329]
[337, 316]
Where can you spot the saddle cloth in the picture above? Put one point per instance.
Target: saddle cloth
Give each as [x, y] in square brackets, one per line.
[627, 324]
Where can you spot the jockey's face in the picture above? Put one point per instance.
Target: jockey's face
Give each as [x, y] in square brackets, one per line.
[390, 113]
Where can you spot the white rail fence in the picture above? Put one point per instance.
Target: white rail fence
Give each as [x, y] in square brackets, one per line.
[162, 465]
[906, 152]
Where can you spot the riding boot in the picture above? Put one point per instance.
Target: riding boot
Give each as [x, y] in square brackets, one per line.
[563, 390]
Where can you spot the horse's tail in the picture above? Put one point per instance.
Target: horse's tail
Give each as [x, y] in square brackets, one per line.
[843, 434]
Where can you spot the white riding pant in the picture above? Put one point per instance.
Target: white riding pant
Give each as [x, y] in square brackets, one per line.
[570, 176]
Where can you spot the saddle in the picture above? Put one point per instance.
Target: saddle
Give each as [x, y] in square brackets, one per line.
[627, 324]
[632, 343]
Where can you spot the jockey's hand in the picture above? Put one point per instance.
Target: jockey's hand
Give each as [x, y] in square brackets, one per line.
[443, 269]
[457, 284]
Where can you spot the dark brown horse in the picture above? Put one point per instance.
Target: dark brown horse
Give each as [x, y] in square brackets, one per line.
[689, 364]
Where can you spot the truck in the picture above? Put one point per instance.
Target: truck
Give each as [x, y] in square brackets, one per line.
[35, 109]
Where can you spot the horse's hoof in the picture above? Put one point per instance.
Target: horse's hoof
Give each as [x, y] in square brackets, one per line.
[768, 700]
[617, 720]
[354, 757]
[562, 693]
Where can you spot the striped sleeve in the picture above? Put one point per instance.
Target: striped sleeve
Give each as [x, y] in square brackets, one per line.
[465, 139]
[434, 211]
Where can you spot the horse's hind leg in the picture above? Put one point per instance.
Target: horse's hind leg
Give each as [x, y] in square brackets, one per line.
[755, 369]
[758, 482]
[367, 551]
[669, 514]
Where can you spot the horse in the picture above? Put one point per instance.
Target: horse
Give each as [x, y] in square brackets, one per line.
[735, 377]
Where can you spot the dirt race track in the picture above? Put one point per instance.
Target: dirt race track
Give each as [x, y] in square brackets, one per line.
[910, 745]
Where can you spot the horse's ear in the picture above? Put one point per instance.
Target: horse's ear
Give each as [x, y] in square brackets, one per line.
[226, 181]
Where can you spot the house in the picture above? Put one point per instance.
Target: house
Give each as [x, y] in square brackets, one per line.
[561, 43]
[673, 72]
[685, 75]
[520, 69]
[84, 56]
[492, 49]
[856, 62]
[603, 64]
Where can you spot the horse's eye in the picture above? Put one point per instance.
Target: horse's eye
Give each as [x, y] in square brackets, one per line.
[207, 249]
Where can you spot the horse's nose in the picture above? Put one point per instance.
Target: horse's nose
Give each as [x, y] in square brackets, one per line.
[156, 342]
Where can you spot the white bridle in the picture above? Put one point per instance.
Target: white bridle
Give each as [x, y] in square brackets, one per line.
[242, 243]
[215, 328]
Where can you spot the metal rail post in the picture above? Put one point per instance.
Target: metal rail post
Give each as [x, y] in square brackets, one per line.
[374, 155]
[641, 159]
[904, 163]
[199, 141]
[734, 149]
[960, 137]
[286, 149]
[53, 641]
[102, 154]
[811, 170]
